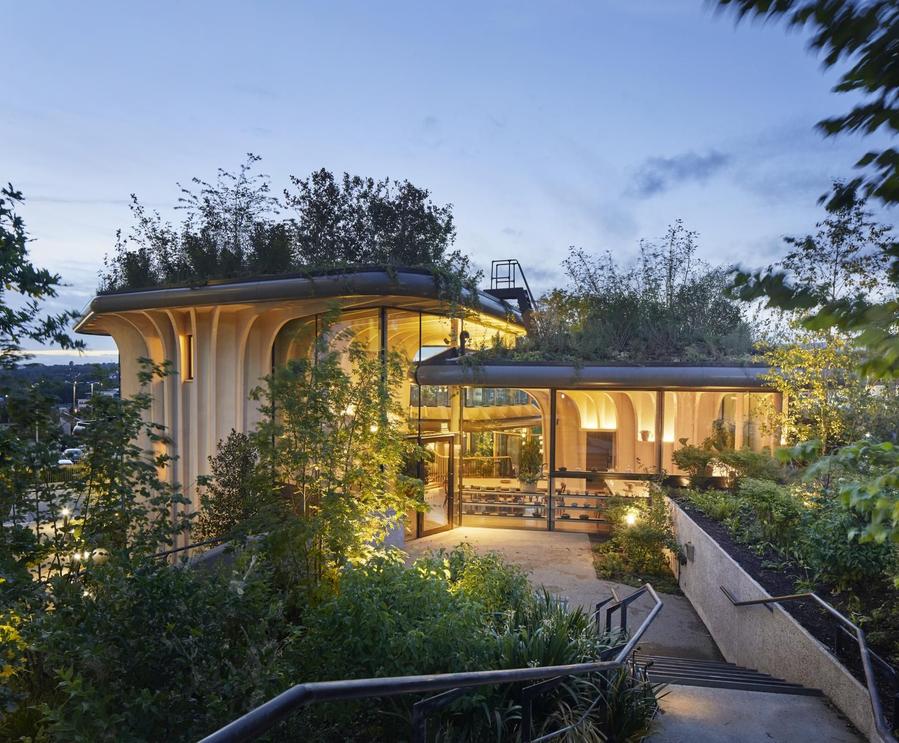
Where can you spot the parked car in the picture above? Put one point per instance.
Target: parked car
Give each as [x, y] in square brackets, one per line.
[76, 455]
[80, 427]
[63, 462]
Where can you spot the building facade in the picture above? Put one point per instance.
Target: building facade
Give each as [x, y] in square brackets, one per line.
[514, 445]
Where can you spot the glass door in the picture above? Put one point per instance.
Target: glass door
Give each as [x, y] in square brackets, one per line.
[439, 491]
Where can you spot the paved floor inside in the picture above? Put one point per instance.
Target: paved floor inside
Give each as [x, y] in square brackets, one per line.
[692, 714]
[563, 563]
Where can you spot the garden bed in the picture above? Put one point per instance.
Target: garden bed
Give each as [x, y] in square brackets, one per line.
[779, 576]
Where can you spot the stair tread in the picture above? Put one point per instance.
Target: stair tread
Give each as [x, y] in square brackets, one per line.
[718, 677]
[674, 659]
[713, 673]
[738, 685]
[704, 669]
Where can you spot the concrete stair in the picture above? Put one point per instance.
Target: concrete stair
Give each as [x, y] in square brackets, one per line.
[716, 674]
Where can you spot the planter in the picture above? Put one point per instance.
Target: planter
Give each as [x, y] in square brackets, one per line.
[766, 638]
[528, 487]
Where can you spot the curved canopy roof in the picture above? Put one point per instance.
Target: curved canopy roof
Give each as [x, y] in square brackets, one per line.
[589, 376]
[406, 282]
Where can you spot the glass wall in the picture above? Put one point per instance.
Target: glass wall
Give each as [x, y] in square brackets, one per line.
[605, 448]
[504, 469]
[732, 420]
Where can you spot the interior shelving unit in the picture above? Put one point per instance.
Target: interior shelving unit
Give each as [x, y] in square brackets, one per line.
[580, 511]
[503, 506]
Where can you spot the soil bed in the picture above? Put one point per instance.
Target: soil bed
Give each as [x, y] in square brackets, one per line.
[779, 577]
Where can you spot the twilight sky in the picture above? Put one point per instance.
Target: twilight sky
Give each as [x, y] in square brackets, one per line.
[545, 124]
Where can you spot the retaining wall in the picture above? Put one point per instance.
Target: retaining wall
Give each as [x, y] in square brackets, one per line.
[768, 640]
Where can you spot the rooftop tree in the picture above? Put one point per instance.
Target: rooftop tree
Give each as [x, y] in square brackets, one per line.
[236, 227]
[667, 305]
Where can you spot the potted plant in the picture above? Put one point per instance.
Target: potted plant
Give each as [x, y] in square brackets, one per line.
[530, 464]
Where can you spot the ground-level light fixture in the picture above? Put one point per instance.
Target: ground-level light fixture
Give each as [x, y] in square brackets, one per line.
[630, 518]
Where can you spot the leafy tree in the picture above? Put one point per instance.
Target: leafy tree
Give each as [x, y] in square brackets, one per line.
[859, 38]
[236, 493]
[117, 504]
[29, 286]
[334, 453]
[235, 227]
[818, 378]
[845, 307]
[845, 258]
[363, 221]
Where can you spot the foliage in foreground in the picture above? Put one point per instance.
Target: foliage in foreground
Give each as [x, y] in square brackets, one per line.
[159, 652]
[859, 39]
[32, 286]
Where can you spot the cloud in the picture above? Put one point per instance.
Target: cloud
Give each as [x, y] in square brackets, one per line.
[659, 174]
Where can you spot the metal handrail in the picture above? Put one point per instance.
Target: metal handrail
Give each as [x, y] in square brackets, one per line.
[258, 721]
[194, 545]
[865, 653]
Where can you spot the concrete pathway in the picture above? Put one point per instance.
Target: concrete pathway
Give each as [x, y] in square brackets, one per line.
[564, 564]
[692, 714]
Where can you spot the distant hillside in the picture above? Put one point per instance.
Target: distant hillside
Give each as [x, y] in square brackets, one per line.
[57, 379]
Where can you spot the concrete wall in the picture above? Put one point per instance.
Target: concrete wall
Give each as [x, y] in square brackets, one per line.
[770, 641]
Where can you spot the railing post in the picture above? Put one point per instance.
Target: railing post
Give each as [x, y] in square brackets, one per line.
[527, 720]
[419, 726]
[624, 619]
[896, 709]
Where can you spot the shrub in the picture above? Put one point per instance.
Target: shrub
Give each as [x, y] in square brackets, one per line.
[485, 578]
[743, 463]
[695, 460]
[236, 494]
[155, 654]
[716, 504]
[839, 559]
[389, 620]
[775, 511]
[698, 461]
[636, 551]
